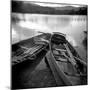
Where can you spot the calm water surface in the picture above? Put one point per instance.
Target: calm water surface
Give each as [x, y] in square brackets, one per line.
[72, 25]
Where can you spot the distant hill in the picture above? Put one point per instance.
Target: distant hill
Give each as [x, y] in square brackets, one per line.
[21, 7]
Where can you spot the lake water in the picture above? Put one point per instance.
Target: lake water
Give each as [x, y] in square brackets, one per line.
[72, 25]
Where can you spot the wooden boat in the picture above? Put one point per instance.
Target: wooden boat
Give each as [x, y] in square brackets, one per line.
[28, 49]
[66, 65]
[68, 60]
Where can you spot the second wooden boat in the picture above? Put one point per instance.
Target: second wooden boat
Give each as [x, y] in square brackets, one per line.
[68, 60]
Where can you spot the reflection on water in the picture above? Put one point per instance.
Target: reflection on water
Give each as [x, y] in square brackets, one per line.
[28, 25]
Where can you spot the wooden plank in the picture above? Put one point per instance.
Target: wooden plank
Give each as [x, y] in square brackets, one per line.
[61, 50]
[30, 52]
[81, 61]
[59, 75]
[72, 60]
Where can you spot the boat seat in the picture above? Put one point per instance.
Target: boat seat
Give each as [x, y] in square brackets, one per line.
[56, 52]
[61, 50]
[61, 59]
[40, 43]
